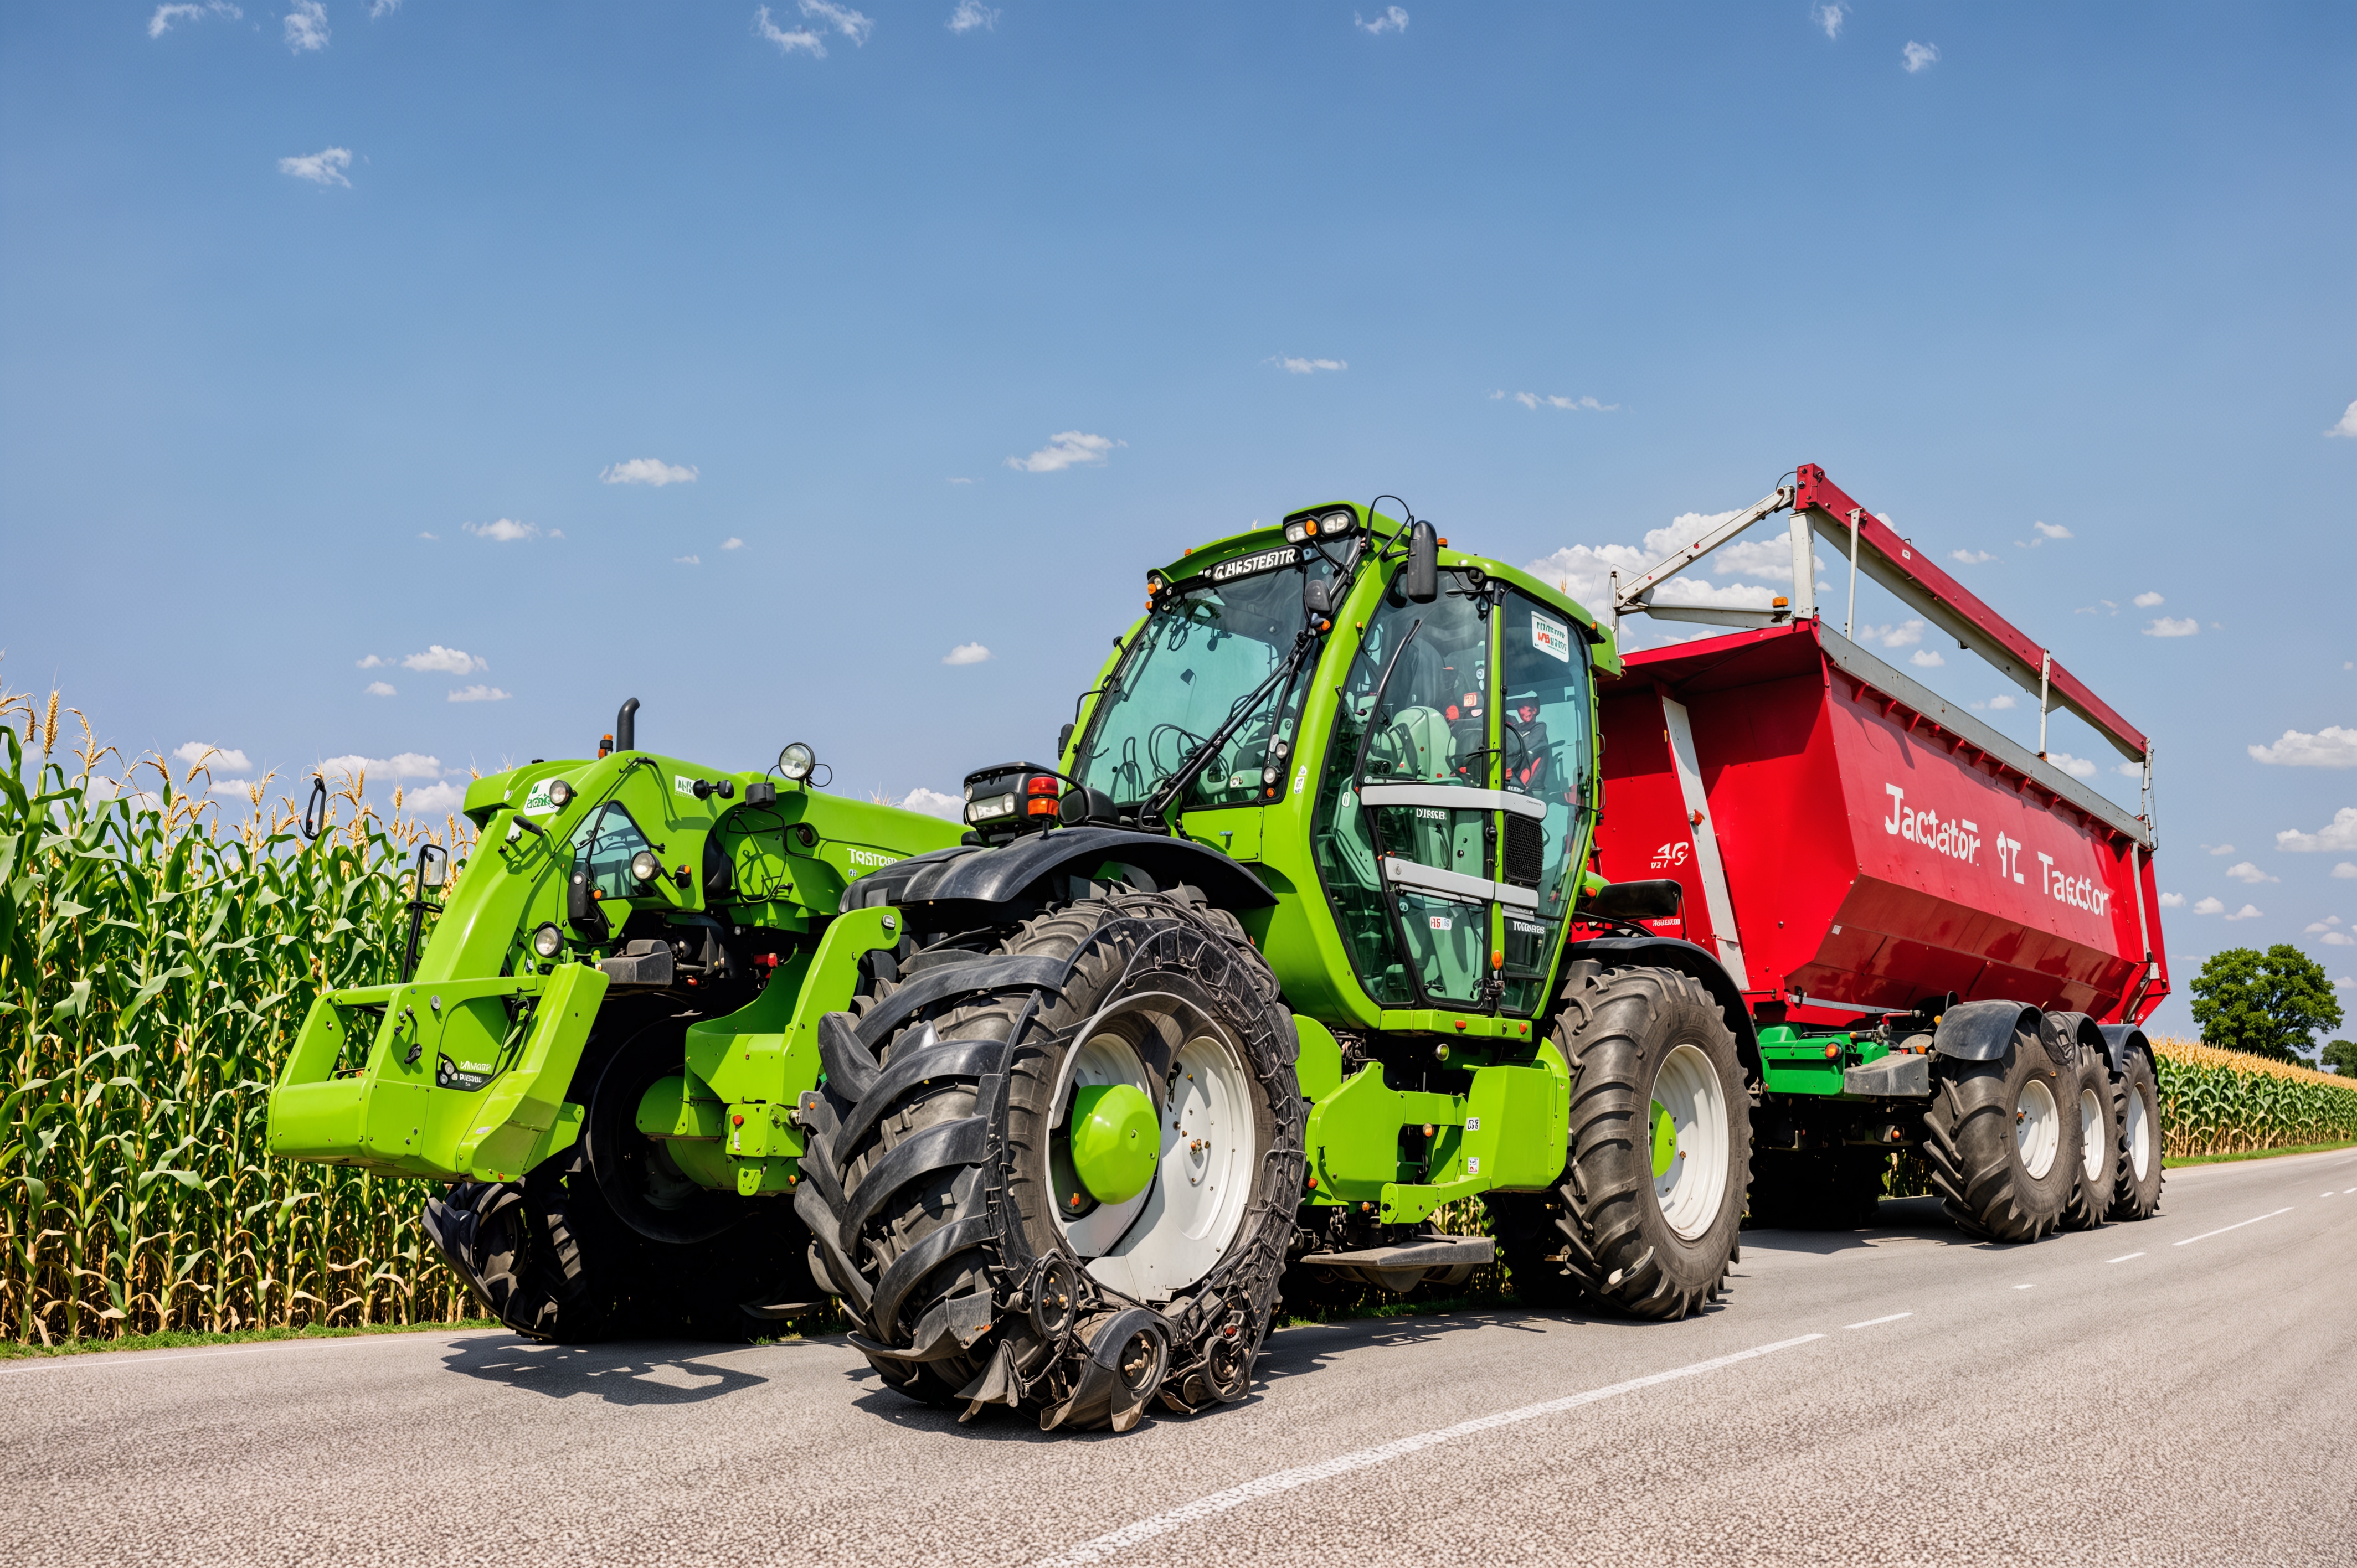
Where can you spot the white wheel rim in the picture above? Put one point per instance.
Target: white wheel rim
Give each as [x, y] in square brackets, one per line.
[2037, 1128]
[1106, 1058]
[2093, 1154]
[1178, 1229]
[2140, 1135]
[1694, 1186]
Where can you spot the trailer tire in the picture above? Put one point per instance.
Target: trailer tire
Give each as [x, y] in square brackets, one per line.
[1632, 1233]
[969, 1284]
[2136, 1114]
[1817, 1189]
[554, 1258]
[2004, 1156]
[2096, 1106]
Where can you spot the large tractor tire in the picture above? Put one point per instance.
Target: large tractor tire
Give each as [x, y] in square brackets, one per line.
[1817, 1189]
[2135, 1112]
[608, 1240]
[1061, 1174]
[2095, 1104]
[2002, 1140]
[1644, 1222]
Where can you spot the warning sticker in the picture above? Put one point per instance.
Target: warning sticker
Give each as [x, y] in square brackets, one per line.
[1440, 922]
[1551, 637]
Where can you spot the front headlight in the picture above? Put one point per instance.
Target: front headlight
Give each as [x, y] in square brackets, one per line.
[560, 793]
[546, 941]
[796, 761]
[645, 866]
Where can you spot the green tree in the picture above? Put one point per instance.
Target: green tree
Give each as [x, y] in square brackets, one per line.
[2270, 1003]
[2341, 1056]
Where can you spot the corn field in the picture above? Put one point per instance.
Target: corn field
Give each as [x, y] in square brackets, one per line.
[157, 961]
[2228, 1102]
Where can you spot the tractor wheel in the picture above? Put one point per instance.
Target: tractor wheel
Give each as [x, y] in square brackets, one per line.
[607, 1239]
[2002, 1141]
[2099, 1140]
[2136, 1113]
[1817, 1189]
[1066, 1182]
[1644, 1222]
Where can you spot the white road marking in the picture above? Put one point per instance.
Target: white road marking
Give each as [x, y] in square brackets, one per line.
[2236, 1226]
[2032, 1285]
[1872, 1321]
[2124, 1257]
[1179, 1518]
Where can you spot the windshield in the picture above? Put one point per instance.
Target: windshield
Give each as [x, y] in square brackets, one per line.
[1206, 648]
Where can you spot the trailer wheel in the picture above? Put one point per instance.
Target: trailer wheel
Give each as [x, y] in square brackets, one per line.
[1068, 1186]
[2098, 1174]
[1644, 1222]
[2001, 1142]
[1817, 1189]
[2136, 1113]
[598, 1242]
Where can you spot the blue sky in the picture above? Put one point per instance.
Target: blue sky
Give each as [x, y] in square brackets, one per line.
[334, 331]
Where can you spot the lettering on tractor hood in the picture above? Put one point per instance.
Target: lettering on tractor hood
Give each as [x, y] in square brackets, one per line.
[1250, 566]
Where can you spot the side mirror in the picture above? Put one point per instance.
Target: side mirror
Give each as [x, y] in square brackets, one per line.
[1086, 804]
[1656, 899]
[433, 867]
[1316, 597]
[1064, 741]
[1420, 578]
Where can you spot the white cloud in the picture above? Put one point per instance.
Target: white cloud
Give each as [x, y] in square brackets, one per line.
[405, 764]
[1924, 659]
[1065, 449]
[479, 693]
[800, 39]
[1971, 557]
[373, 661]
[433, 800]
[2172, 900]
[505, 530]
[688, 560]
[1547, 400]
[2171, 626]
[325, 167]
[2337, 939]
[381, 689]
[2007, 700]
[2130, 770]
[1899, 634]
[220, 758]
[2146, 601]
[733, 542]
[446, 660]
[932, 802]
[2340, 832]
[1829, 16]
[970, 15]
[647, 471]
[1391, 20]
[2326, 924]
[959, 481]
[1917, 56]
[2076, 767]
[1583, 571]
[422, 534]
[2218, 849]
[161, 22]
[383, 8]
[2331, 747]
[2345, 871]
[967, 653]
[2247, 912]
[307, 26]
[2208, 907]
[2348, 425]
[1308, 367]
[2246, 871]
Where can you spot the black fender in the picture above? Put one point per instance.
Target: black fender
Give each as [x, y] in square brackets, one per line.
[986, 885]
[1686, 958]
[2083, 1032]
[2122, 1041]
[1984, 1031]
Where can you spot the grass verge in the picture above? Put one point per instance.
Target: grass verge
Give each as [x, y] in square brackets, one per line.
[179, 1341]
[2176, 1160]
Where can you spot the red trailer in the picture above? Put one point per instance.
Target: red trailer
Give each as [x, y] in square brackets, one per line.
[1946, 942]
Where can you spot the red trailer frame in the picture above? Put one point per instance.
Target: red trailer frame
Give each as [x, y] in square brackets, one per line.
[1851, 842]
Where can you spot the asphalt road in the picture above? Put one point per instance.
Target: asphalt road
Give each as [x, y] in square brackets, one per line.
[2178, 1391]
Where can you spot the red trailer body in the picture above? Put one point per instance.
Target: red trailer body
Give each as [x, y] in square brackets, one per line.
[1850, 842]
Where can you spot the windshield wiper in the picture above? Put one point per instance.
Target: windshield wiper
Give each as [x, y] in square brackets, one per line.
[1154, 805]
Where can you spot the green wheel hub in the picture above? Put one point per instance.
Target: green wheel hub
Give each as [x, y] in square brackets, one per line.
[1114, 1140]
[1665, 1141]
